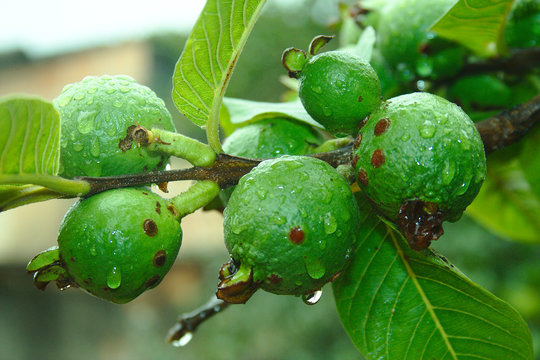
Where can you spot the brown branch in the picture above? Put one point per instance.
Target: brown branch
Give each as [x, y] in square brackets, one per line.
[508, 126]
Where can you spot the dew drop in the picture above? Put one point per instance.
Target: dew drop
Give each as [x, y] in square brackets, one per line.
[93, 250]
[315, 268]
[85, 122]
[427, 130]
[317, 89]
[92, 90]
[327, 112]
[78, 147]
[78, 96]
[448, 172]
[405, 137]
[330, 224]
[110, 90]
[312, 298]
[117, 104]
[94, 147]
[184, 340]
[261, 193]
[114, 278]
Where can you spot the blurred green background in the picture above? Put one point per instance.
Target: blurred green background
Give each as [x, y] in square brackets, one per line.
[72, 325]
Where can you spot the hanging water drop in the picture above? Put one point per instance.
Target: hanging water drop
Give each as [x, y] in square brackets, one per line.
[114, 278]
[184, 340]
[312, 298]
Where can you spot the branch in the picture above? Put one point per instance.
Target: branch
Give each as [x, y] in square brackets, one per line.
[508, 126]
[520, 61]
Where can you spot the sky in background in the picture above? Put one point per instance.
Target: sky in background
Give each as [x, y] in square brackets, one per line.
[43, 28]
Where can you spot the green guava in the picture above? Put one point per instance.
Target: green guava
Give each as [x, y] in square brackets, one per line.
[407, 44]
[96, 114]
[420, 146]
[119, 243]
[291, 223]
[339, 89]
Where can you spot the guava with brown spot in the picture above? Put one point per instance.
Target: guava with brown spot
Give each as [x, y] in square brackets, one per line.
[420, 146]
[96, 114]
[115, 245]
[289, 226]
[339, 89]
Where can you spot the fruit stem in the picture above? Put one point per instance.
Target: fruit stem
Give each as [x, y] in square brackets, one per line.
[195, 197]
[176, 144]
[332, 144]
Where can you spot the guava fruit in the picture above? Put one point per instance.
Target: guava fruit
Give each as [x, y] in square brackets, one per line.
[96, 115]
[119, 243]
[289, 226]
[420, 147]
[339, 89]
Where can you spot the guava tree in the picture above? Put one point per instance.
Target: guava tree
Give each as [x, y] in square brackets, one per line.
[386, 139]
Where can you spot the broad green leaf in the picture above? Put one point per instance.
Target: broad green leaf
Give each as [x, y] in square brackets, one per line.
[530, 161]
[477, 25]
[396, 303]
[509, 203]
[203, 71]
[29, 136]
[242, 111]
[29, 153]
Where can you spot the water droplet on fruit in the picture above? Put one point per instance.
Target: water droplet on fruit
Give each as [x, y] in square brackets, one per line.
[421, 85]
[184, 340]
[278, 220]
[114, 278]
[117, 104]
[315, 268]
[330, 224]
[94, 147]
[78, 147]
[427, 130]
[327, 112]
[90, 100]
[261, 193]
[93, 250]
[110, 90]
[317, 89]
[322, 244]
[85, 122]
[312, 298]
[92, 90]
[405, 137]
[465, 185]
[448, 172]
[327, 197]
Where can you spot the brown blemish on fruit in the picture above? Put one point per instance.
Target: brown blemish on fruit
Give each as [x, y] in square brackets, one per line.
[159, 258]
[357, 141]
[378, 158]
[420, 222]
[297, 235]
[381, 126]
[173, 210]
[236, 292]
[274, 279]
[366, 119]
[140, 135]
[158, 207]
[354, 161]
[150, 227]
[152, 281]
[363, 177]
[125, 143]
[360, 98]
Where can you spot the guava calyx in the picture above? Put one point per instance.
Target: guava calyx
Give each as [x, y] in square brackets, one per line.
[237, 285]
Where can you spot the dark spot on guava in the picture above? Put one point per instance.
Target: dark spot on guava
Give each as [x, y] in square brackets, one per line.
[357, 141]
[125, 143]
[381, 126]
[424, 48]
[363, 122]
[144, 193]
[163, 186]
[378, 158]
[420, 222]
[72, 259]
[150, 227]
[173, 210]
[360, 98]
[363, 177]
[354, 161]
[152, 281]
[158, 207]
[159, 258]
[297, 235]
[274, 279]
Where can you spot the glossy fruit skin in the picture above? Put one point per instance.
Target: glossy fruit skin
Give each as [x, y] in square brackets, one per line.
[420, 146]
[339, 89]
[119, 243]
[269, 138]
[294, 221]
[408, 46]
[95, 115]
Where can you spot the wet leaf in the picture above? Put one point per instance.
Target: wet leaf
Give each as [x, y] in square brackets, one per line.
[396, 303]
[203, 71]
[477, 25]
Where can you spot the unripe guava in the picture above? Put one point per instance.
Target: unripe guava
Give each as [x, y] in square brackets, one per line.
[292, 222]
[339, 89]
[407, 44]
[96, 114]
[119, 243]
[420, 146]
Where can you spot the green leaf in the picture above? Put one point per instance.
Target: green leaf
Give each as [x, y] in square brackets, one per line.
[509, 202]
[477, 25]
[242, 111]
[29, 153]
[396, 303]
[203, 71]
